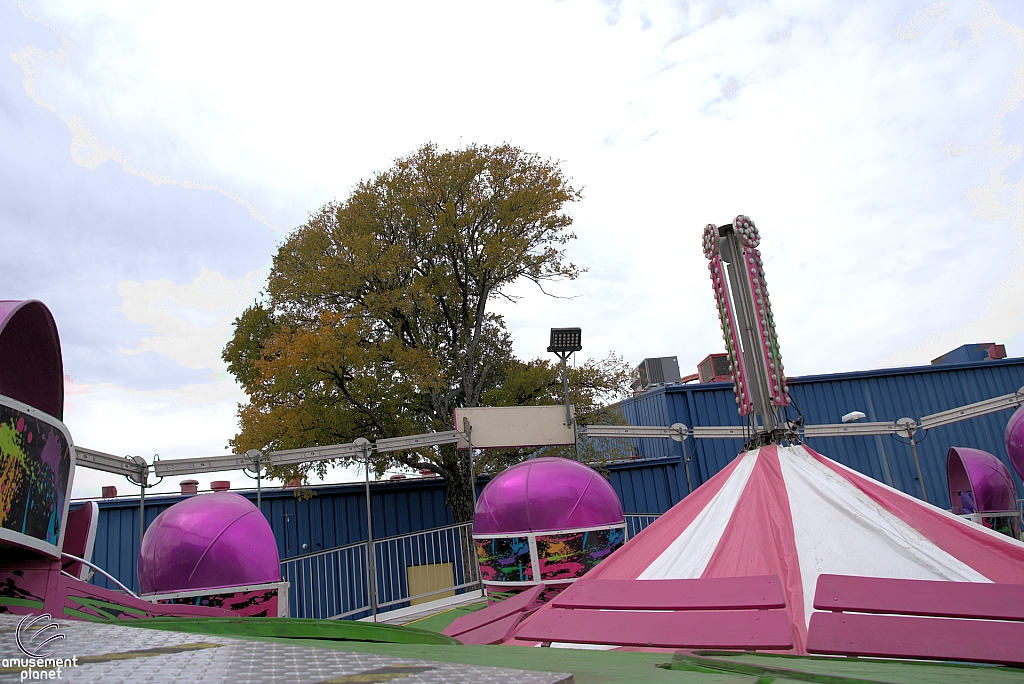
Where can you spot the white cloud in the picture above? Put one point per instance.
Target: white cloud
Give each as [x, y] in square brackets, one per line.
[874, 149]
[86, 148]
[192, 322]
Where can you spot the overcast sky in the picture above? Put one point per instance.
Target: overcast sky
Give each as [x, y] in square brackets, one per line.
[152, 158]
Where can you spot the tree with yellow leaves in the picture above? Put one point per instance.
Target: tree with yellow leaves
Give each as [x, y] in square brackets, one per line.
[376, 324]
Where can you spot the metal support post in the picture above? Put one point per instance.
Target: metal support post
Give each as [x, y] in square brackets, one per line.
[467, 428]
[920, 475]
[680, 436]
[142, 515]
[256, 456]
[565, 387]
[142, 473]
[371, 572]
[910, 426]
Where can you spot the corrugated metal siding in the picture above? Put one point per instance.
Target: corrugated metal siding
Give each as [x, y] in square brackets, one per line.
[883, 395]
[651, 486]
[335, 516]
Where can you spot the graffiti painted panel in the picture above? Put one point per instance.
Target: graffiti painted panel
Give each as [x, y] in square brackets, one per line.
[569, 555]
[505, 559]
[259, 603]
[35, 466]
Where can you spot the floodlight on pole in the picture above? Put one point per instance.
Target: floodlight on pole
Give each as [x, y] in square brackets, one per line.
[565, 341]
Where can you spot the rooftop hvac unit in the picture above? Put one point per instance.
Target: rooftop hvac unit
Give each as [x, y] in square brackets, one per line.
[652, 372]
[715, 368]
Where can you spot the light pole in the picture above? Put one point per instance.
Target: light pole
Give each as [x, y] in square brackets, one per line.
[371, 571]
[565, 341]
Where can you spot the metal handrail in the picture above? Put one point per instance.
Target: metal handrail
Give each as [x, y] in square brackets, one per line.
[103, 572]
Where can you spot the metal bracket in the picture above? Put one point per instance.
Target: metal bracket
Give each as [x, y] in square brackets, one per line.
[633, 431]
[851, 429]
[416, 441]
[974, 410]
[108, 463]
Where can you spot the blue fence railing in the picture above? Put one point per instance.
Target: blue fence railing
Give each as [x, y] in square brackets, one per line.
[337, 583]
[408, 569]
[637, 522]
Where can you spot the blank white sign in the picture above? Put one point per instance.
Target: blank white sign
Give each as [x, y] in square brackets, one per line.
[516, 426]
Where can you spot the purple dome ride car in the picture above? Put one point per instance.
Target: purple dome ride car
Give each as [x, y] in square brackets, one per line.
[205, 542]
[545, 520]
[980, 483]
[1015, 441]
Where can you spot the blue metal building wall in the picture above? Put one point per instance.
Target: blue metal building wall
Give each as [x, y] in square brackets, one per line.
[335, 516]
[883, 395]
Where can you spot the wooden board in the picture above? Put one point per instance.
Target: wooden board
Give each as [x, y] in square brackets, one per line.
[920, 597]
[929, 638]
[742, 629]
[726, 593]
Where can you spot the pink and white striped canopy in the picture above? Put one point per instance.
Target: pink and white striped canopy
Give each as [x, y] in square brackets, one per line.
[791, 512]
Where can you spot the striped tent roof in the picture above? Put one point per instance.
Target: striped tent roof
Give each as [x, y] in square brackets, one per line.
[791, 512]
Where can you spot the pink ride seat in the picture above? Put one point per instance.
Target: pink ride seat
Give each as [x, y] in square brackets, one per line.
[923, 619]
[80, 537]
[735, 612]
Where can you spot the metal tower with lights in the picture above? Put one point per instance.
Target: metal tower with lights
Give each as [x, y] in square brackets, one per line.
[748, 327]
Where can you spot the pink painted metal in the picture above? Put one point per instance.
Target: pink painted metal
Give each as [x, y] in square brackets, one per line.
[517, 605]
[546, 494]
[741, 629]
[205, 542]
[719, 593]
[978, 482]
[973, 621]
[80, 537]
[32, 369]
[493, 632]
[41, 587]
[920, 597]
[898, 636]
[1015, 441]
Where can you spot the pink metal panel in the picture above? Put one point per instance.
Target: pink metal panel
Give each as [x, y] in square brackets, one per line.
[920, 597]
[80, 537]
[747, 629]
[493, 632]
[517, 604]
[80, 600]
[929, 638]
[723, 593]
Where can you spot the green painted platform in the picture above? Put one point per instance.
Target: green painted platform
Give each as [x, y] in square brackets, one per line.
[618, 667]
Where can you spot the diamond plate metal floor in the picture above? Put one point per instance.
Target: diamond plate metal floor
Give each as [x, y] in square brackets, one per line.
[112, 653]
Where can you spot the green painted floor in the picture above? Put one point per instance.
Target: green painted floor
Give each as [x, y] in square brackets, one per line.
[438, 621]
[592, 666]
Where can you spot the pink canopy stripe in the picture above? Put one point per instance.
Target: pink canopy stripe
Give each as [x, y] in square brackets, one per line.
[759, 539]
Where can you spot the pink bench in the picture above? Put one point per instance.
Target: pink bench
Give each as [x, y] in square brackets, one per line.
[496, 622]
[923, 619]
[737, 612]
